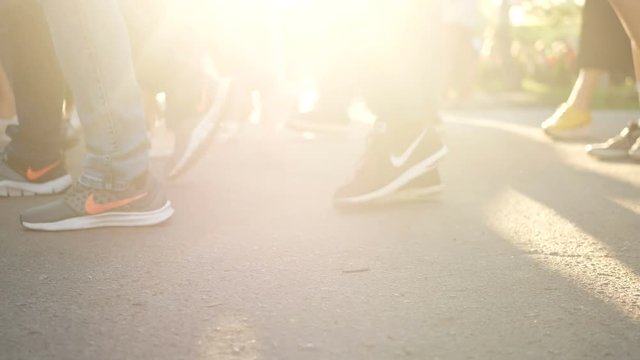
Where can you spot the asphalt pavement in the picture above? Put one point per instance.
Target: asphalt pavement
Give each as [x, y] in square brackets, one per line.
[531, 252]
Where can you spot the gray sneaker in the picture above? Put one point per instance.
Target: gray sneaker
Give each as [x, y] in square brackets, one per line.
[28, 180]
[85, 208]
[619, 146]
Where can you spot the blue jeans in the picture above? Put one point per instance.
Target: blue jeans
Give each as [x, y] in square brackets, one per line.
[91, 41]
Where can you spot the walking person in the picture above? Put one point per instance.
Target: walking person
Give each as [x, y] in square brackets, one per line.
[627, 143]
[395, 64]
[401, 88]
[604, 48]
[32, 163]
[115, 187]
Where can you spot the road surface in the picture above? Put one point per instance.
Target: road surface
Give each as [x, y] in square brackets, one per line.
[532, 252]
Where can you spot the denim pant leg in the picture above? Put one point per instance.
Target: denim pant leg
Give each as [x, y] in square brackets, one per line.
[93, 48]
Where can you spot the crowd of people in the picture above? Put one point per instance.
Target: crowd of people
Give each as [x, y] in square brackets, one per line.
[106, 61]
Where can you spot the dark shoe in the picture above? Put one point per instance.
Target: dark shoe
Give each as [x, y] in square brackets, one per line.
[85, 208]
[617, 147]
[390, 162]
[32, 179]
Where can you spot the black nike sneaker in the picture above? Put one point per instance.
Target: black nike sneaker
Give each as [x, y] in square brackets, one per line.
[391, 161]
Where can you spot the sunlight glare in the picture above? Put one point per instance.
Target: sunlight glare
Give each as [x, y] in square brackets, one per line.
[565, 249]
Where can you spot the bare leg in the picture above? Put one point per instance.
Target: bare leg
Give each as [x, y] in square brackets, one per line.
[584, 88]
[571, 120]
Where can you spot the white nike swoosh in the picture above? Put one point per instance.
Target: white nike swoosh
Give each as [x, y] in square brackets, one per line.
[399, 161]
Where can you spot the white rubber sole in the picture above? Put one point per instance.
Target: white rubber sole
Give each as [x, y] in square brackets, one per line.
[17, 188]
[108, 219]
[574, 134]
[411, 173]
[411, 195]
[606, 154]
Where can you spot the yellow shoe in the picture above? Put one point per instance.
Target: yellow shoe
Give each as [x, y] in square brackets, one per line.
[567, 123]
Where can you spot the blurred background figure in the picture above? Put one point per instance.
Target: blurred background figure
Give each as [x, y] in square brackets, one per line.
[170, 59]
[328, 59]
[501, 48]
[461, 21]
[603, 49]
[198, 64]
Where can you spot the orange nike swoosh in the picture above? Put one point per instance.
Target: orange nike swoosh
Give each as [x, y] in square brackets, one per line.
[35, 175]
[93, 208]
